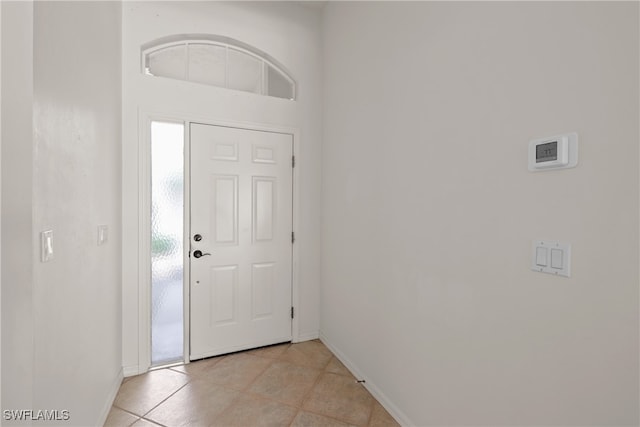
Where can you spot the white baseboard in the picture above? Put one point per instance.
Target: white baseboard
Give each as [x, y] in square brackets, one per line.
[115, 386]
[130, 371]
[307, 336]
[379, 395]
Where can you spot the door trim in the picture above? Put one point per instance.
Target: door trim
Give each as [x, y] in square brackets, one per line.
[145, 117]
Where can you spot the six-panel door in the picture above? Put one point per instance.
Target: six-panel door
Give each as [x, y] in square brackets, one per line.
[241, 205]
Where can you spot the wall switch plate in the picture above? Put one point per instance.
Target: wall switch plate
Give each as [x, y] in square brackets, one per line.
[46, 246]
[551, 257]
[103, 234]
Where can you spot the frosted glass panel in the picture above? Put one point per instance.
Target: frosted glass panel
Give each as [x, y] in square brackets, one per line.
[219, 63]
[207, 64]
[245, 72]
[167, 201]
[278, 85]
[168, 62]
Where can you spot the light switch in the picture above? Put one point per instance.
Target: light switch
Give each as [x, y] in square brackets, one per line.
[551, 257]
[46, 246]
[556, 258]
[541, 256]
[103, 234]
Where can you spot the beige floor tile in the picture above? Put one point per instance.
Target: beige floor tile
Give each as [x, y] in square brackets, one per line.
[336, 367]
[307, 419]
[256, 411]
[381, 418]
[119, 418]
[285, 382]
[199, 367]
[270, 352]
[300, 384]
[309, 353]
[180, 368]
[144, 423]
[236, 371]
[196, 404]
[141, 393]
[340, 397]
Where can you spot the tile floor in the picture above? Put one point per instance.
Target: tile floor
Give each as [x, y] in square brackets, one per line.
[300, 384]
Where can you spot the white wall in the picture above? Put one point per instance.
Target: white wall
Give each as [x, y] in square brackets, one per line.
[0, 208]
[62, 332]
[17, 169]
[429, 210]
[288, 32]
[77, 173]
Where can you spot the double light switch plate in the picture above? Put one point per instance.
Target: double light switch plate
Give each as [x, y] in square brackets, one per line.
[551, 257]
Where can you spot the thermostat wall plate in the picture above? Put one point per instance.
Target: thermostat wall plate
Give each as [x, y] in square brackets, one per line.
[554, 152]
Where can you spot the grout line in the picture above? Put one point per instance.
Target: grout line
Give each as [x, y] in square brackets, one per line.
[322, 367]
[332, 417]
[233, 403]
[326, 365]
[271, 362]
[152, 421]
[192, 377]
[257, 350]
[126, 410]
[165, 366]
[293, 405]
[245, 391]
[165, 399]
[295, 416]
[308, 393]
[373, 405]
[322, 372]
[268, 399]
[180, 372]
[351, 377]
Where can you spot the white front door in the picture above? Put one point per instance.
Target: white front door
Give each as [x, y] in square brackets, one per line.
[241, 222]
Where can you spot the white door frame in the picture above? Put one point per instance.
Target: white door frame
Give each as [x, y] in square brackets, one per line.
[144, 222]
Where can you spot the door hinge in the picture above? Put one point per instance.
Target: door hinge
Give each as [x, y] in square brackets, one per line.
[293, 161]
[293, 237]
[292, 311]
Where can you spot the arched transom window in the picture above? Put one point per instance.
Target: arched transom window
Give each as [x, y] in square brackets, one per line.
[217, 61]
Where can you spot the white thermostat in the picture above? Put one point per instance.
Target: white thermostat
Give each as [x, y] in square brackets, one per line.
[554, 152]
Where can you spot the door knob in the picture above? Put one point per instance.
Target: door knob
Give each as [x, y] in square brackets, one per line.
[199, 253]
[197, 237]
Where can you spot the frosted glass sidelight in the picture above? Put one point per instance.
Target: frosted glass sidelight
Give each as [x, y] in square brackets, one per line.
[245, 72]
[207, 64]
[167, 263]
[168, 62]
